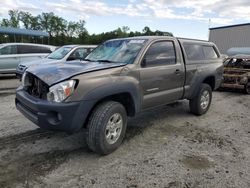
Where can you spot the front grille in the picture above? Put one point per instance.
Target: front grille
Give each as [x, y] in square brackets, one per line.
[36, 87]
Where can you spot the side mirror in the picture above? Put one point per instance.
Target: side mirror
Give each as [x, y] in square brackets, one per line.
[70, 58]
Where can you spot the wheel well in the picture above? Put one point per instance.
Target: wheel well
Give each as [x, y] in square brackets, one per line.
[124, 98]
[210, 81]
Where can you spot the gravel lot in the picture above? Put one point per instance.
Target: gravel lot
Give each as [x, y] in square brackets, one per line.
[166, 147]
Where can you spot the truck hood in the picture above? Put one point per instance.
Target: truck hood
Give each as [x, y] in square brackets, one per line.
[56, 72]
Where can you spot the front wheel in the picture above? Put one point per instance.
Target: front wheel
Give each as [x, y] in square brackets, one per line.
[247, 88]
[106, 127]
[201, 102]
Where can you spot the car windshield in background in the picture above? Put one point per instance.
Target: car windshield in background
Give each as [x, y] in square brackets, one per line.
[59, 53]
[121, 51]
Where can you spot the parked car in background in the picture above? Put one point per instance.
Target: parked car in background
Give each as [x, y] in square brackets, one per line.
[61, 55]
[237, 73]
[11, 54]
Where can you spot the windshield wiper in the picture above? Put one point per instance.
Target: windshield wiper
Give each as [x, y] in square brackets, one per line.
[105, 61]
[87, 60]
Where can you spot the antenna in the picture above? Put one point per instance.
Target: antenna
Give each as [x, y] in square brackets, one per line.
[209, 25]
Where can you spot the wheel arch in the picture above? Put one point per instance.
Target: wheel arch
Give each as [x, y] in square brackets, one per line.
[127, 95]
[210, 80]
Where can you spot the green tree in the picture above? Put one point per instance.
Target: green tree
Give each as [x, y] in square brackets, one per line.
[14, 18]
[26, 19]
[5, 22]
[45, 22]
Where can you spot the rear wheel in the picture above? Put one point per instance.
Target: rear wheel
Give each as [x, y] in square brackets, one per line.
[106, 127]
[247, 88]
[201, 102]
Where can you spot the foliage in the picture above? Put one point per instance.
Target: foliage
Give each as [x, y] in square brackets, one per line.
[62, 31]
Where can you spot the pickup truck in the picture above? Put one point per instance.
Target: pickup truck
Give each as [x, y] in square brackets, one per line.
[117, 80]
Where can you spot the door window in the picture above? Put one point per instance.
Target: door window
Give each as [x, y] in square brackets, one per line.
[159, 54]
[8, 50]
[79, 53]
[30, 49]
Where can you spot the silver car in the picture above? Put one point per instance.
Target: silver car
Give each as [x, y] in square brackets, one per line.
[11, 54]
[61, 55]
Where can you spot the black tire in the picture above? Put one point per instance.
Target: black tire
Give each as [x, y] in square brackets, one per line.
[96, 128]
[247, 88]
[196, 105]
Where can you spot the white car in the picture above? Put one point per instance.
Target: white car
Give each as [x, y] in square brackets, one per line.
[60, 55]
[11, 54]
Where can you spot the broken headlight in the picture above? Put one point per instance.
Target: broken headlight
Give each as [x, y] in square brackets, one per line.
[25, 80]
[61, 91]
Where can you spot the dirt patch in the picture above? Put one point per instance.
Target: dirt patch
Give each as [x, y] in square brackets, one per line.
[29, 136]
[197, 162]
[196, 134]
[28, 167]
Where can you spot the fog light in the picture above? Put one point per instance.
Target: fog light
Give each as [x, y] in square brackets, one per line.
[54, 118]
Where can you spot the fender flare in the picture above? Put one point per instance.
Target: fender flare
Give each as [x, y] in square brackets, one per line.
[114, 88]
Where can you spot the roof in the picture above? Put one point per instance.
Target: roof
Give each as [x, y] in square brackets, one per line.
[228, 26]
[158, 37]
[31, 44]
[79, 45]
[143, 38]
[239, 56]
[17, 31]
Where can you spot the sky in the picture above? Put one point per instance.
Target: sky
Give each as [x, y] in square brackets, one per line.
[184, 18]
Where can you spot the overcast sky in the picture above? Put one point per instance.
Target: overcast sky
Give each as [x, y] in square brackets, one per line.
[184, 18]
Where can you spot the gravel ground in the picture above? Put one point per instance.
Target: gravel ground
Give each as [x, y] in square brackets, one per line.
[8, 82]
[165, 147]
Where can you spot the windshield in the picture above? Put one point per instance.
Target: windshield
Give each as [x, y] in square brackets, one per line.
[59, 53]
[121, 51]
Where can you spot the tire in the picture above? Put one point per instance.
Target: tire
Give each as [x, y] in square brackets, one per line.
[200, 105]
[247, 88]
[106, 127]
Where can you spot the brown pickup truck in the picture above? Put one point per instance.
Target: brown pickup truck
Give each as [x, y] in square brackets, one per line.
[120, 78]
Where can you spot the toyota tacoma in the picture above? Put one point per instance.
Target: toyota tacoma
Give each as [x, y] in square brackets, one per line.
[119, 79]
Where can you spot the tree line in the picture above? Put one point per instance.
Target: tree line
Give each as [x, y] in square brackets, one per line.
[62, 31]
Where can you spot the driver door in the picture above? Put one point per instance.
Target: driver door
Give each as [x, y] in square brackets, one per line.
[161, 75]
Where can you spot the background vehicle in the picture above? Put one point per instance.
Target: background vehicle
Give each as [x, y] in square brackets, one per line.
[237, 73]
[61, 55]
[11, 54]
[238, 51]
[122, 78]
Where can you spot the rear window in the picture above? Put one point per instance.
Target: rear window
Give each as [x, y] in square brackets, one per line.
[209, 52]
[197, 52]
[30, 49]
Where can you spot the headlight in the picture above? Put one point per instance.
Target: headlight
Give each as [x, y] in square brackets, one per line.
[61, 91]
[25, 80]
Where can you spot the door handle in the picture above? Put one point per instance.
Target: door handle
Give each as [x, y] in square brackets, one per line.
[177, 71]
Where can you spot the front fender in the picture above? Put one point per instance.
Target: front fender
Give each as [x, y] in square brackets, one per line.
[114, 88]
